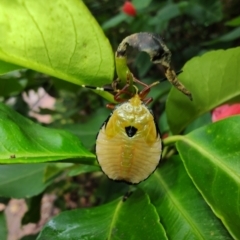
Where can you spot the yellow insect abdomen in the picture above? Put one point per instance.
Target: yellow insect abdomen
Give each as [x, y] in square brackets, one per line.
[123, 158]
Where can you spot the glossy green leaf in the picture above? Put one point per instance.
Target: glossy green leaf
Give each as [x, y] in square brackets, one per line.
[22, 180]
[183, 212]
[211, 157]
[3, 226]
[135, 218]
[23, 141]
[60, 38]
[213, 79]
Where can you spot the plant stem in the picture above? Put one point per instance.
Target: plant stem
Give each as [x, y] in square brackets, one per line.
[171, 140]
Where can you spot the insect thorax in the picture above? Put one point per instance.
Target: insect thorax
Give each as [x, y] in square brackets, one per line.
[132, 113]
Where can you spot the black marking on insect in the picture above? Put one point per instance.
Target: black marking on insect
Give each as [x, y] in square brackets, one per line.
[130, 131]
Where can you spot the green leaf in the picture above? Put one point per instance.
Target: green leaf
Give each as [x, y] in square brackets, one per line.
[114, 21]
[88, 131]
[211, 158]
[233, 22]
[213, 79]
[23, 141]
[55, 169]
[228, 37]
[166, 13]
[203, 120]
[22, 180]
[80, 169]
[3, 226]
[234, 34]
[205, 13]
[141, 4]
[135, 218]
[11, 86]
[7, 67]
[59, 38]
[162, 123]
[183, 212]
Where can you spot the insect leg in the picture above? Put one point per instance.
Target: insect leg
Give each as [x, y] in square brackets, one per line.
[172, 78]
[118, 96]
[146, 90]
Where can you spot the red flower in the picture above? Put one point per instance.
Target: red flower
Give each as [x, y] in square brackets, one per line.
[129, 9]
[225, 111]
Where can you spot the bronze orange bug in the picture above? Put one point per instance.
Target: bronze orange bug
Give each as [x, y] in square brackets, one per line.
[128, 145]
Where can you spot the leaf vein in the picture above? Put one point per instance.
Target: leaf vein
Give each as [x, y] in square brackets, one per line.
[41, 33]
[75, 37]
[114, 219]
[213, 159]
[179, 207]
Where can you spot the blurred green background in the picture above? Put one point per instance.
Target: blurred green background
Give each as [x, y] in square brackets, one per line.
[189, 28]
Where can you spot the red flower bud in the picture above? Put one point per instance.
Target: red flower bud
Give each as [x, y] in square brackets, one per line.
[225, 111]
[129, 9]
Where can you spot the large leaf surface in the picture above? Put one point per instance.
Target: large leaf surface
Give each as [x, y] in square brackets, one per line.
[22, 180]
[183, 212]
[211, 156]
[60, 38]
[23, 141]
[213, 79]
[135, 218]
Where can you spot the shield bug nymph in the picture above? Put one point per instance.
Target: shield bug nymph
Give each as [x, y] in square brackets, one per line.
[128, 145]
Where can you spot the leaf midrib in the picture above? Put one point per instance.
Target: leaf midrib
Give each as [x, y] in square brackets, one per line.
[178, 206]
[35, 156]
[213, 159]
[114, 219]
